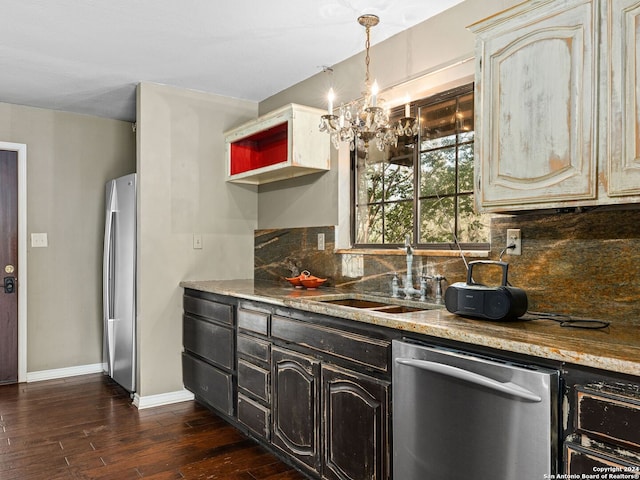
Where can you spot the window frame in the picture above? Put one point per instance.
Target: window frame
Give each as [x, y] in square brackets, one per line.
[455, 92]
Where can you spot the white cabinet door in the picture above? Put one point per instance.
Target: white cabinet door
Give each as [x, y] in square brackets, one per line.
[624, 108]
[535, 92]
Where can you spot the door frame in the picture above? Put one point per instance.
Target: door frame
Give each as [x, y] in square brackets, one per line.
[21, 150]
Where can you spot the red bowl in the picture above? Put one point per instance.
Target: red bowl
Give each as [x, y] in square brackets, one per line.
[297, 281]
[312, 282]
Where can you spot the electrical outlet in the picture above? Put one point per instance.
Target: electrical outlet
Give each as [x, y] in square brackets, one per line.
[514, 237]
[321, 241]
[352, 265]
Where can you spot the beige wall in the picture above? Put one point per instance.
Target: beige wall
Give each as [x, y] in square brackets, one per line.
[417, 52]
[69, 159]
[182, 191]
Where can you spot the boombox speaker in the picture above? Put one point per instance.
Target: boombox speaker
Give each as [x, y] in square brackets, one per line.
[480, 301]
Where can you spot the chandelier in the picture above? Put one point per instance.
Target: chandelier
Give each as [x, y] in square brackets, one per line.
[363, 121]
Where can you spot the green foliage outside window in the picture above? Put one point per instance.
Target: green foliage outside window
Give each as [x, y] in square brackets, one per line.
[423, 187]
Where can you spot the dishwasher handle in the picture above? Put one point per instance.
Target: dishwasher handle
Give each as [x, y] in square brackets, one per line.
[510, 388]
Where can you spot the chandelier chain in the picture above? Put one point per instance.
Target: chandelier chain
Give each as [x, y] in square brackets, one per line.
[365, 121]
[367, 58]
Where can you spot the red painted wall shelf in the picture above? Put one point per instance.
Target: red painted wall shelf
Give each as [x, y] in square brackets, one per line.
[283, 144]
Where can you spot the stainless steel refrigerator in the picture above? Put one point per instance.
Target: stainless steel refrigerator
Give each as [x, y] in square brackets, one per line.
[119, 282]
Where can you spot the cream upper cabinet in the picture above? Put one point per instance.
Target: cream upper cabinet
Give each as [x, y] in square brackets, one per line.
[558, 105]
[536, 92]
[622, 69]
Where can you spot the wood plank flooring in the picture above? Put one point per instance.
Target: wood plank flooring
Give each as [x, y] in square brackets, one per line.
[85, 427]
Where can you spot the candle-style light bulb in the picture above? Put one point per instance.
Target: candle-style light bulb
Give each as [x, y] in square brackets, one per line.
[407, 107]
[331, 97]
[374, 93]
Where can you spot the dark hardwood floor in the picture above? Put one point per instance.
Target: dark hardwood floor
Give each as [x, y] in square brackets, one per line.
[86, 428]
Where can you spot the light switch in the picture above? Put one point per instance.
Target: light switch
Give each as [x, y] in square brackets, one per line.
[197, 241]
[39, 240]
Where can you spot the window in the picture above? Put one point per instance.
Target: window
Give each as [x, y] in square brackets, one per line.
[423, 187]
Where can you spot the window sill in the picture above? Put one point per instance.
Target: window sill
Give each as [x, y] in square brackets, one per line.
[422, 253]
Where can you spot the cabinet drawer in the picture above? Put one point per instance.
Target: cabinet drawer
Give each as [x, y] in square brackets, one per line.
[356, 348]
[253, 379]
[254, 416]
[209, 340]
[209, 309]
[253, 321]
[208, 384]
[613, 418]
[254, 349]
[586, 461]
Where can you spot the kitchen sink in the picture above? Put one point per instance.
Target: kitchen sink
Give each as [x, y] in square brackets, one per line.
[380, 304]
[373, 305]
[356, 303]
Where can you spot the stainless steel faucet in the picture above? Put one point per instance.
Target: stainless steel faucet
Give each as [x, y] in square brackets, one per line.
[407, 287]
[438, 283]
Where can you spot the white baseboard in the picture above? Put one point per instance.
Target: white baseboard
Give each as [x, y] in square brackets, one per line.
[149, 401]
[63, 372]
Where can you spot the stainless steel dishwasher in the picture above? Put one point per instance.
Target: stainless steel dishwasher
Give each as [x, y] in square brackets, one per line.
[458, 416]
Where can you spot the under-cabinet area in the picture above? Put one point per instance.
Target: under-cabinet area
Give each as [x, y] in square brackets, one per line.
[319, 390]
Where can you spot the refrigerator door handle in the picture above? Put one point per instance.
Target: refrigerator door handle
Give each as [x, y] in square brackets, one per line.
[111, 340]
[107, 282]
[509, 388]
[106, 266]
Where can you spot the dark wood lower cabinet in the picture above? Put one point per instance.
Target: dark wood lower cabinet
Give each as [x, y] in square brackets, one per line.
[295, 405]
[253, 350]
[604, 433]
[312, 387]
[317, 390]
[356, 440]
[208, 360]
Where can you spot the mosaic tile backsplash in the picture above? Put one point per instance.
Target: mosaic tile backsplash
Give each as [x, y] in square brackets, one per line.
[585, 264]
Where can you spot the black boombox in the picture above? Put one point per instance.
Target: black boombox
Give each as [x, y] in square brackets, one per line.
[492, 303]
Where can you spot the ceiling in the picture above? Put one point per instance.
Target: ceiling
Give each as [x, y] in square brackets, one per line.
[87, 56]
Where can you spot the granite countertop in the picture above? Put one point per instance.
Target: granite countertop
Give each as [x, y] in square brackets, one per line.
[615, 348]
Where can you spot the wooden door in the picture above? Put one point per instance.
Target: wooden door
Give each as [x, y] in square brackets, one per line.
[356, 440]
[8, 266]
[296, 399]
